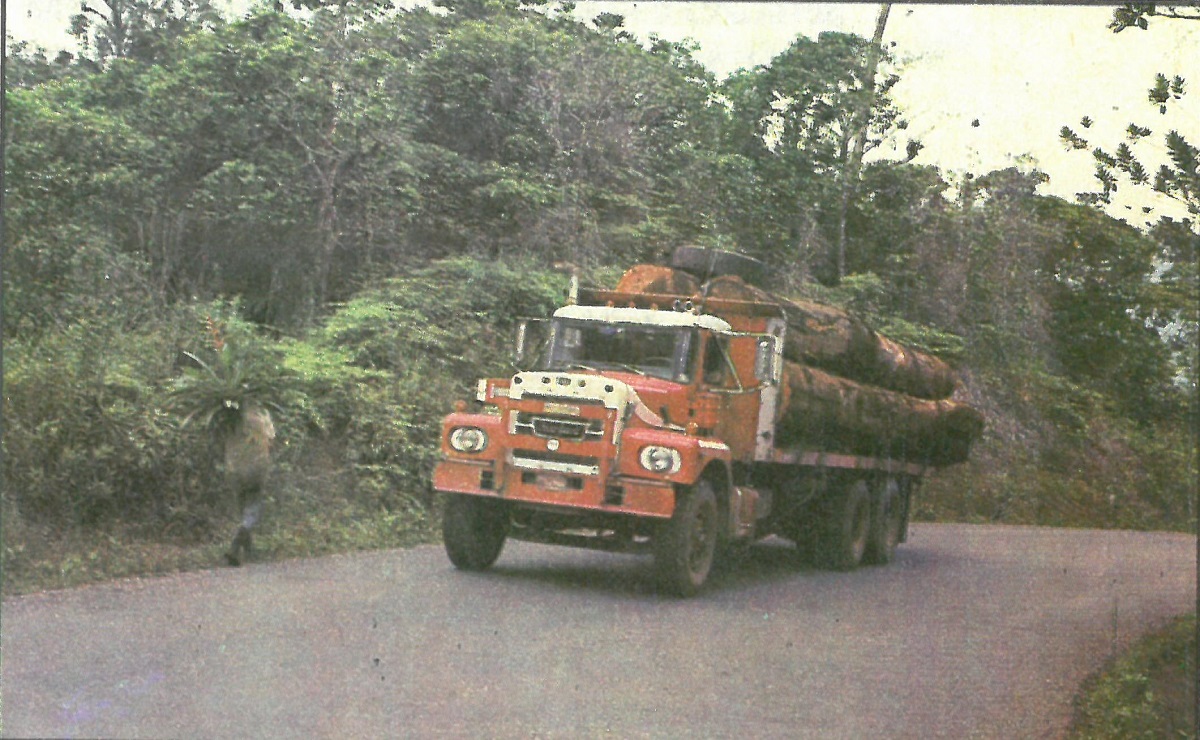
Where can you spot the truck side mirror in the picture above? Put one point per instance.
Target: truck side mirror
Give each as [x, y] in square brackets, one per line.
[768, 361]
[532, 338]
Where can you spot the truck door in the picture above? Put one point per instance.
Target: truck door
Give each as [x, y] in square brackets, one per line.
[729, 377]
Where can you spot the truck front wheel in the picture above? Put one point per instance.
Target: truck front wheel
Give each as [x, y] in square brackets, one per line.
[686, 545]
[474, 530]
[844, 526]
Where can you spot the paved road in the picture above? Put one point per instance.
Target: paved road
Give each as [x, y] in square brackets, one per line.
[973, 632]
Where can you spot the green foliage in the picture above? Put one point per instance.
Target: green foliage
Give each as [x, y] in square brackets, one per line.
[1099, 296]
[87, 437]
[1060, 454]
[1150, 692]
[413, 345]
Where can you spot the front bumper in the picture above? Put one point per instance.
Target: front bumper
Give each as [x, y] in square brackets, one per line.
[557, 488]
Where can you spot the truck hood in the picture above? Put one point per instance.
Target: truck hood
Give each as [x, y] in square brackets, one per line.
[657, 395]
[616, 391]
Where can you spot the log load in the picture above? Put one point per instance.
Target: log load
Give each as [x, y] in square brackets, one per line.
[831, 339]
[659, 280]
[829, 412]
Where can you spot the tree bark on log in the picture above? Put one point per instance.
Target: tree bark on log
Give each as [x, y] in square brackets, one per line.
[839, 415]
[841, 343]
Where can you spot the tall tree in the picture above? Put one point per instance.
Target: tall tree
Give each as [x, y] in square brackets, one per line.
[862, 122]
[562, 139]
[799, 119]
[1100, 297]
[1179, 178]
[137, 29]
[1173, 284]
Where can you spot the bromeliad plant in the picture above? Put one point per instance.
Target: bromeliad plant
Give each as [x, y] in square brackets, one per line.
[240, 374]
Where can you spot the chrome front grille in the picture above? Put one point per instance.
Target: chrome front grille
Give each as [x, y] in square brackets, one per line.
[558, 427]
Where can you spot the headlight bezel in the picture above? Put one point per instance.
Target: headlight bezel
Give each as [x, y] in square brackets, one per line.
[660, 459]
[468, 440]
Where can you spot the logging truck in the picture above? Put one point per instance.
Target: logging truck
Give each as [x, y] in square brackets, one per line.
[670, 424]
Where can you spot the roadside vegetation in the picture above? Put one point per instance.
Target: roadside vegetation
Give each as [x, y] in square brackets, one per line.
[1149, 692]
[360, 201]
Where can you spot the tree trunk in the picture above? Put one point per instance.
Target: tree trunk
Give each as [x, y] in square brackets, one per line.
[862, 120]
[657, 279]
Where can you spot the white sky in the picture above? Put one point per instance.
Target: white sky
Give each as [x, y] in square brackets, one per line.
[1022, 71]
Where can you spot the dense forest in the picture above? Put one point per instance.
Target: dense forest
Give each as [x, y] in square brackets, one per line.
[342, 208]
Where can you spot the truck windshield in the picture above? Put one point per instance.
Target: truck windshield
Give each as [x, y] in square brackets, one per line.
[662, 352]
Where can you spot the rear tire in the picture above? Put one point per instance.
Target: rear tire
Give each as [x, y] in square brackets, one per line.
[685, 547]
[706, 264]
[474, 530]
[844, 526]
[888, 514]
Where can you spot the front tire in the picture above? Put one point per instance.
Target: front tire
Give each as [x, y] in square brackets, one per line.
[686, 546]
[474, 530]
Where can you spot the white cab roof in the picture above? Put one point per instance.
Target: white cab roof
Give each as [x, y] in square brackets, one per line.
[642, 317]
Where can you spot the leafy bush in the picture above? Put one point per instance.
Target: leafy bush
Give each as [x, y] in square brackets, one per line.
[237, 371]
[411, 346]
[87, 437]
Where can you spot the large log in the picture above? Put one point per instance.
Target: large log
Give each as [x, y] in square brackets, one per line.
[657, 279]
[835, 340]
[836, 414]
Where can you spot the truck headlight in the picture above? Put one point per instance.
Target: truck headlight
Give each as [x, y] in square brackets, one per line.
[468, 439]
[660, 459]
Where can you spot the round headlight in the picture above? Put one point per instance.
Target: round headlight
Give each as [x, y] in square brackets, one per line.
[660, 459]
[468, 439]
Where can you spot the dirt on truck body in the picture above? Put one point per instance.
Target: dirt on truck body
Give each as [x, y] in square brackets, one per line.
[687, 409]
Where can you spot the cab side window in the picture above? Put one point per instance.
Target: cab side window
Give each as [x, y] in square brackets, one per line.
[716, 366]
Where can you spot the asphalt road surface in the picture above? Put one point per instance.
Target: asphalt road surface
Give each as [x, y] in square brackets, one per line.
[972, 632]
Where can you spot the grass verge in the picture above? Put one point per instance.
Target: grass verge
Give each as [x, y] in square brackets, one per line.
[1149, 692]
[36, 559]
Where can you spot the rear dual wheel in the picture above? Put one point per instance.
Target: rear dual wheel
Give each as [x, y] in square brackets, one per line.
[888, 515]
[843, 526]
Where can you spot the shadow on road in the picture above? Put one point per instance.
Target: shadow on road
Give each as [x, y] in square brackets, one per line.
[769, 561]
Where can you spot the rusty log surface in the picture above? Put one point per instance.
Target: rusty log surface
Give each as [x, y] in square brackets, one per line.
[657, 279]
